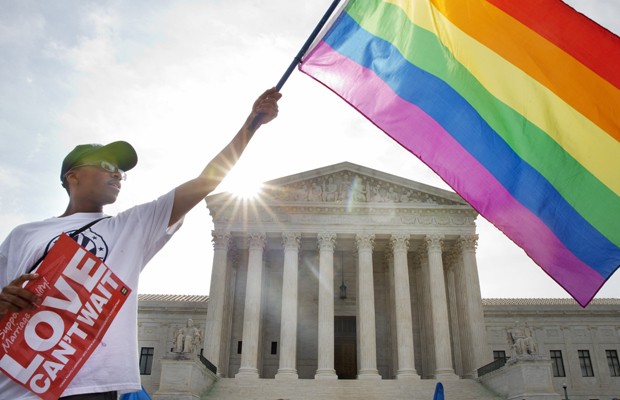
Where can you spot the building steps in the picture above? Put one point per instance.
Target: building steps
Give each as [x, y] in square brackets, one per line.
[311, 389]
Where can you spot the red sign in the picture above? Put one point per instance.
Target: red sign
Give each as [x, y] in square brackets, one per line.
[44, 349]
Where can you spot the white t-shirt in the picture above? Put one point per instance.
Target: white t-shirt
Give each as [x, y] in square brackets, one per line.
[125, 242]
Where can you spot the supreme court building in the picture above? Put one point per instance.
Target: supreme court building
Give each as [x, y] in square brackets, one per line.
[348, 273]
[345, 272]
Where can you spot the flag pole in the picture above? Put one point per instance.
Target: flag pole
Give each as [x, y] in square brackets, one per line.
[300, 54]
[306, 45]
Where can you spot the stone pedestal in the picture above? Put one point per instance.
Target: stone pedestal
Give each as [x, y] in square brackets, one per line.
[523, 378]
[183, 378]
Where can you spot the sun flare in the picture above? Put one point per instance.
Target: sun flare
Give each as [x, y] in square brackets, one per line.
[243, 186]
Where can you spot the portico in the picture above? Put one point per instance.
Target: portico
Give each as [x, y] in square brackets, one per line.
[404, 251]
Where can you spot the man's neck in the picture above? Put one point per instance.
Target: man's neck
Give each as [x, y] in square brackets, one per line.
[73, 209]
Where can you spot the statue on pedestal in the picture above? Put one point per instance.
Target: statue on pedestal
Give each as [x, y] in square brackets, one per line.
[188, 339]
[521, 341]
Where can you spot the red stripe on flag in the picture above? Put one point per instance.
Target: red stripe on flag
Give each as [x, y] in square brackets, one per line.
[591, 44]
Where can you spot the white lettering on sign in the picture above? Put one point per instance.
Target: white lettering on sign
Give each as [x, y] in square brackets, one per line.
[49, 318]
[82, 275]
[6, 336]
[72, 302]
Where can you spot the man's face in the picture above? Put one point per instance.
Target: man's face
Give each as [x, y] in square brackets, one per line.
[94, 183]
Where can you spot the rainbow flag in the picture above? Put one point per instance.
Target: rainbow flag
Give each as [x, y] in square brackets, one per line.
[515, 104]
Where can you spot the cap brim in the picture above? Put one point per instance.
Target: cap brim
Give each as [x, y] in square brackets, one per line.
[121, 153]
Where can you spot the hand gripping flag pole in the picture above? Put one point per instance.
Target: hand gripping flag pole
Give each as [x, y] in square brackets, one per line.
[257, 119]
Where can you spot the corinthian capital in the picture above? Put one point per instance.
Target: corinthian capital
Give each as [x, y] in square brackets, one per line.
[257, 240]
[434, 242]
[291, 239]
[468, 242]
[365, 241]
[327, 240]
[220, 239]
[399, 242]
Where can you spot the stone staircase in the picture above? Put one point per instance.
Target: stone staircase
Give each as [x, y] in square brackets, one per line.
[311, 389]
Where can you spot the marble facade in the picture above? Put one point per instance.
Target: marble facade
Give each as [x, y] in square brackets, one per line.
[281, 258]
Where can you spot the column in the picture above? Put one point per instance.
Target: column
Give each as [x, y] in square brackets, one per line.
[366, 307]
[389, 260]
[288, 325]
[325, 370]
[251, 313]
[464, 331]
[427, 340]
[217, 297]
[439, 309]
[233, 264]
[472, 303]
[402, 299]
[451, 262]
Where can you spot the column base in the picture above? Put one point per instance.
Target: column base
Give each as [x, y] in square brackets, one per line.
[287, 373]
[247, 373]
[446, 375]
[472, 375]
[371, 374]
[325, 374]
[407, 374]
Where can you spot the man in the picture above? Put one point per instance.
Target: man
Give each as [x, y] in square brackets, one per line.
[92, 176]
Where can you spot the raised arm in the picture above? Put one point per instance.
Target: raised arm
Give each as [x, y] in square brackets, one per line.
[192, 192]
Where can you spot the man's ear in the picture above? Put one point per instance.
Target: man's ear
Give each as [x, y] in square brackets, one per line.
[70, 179]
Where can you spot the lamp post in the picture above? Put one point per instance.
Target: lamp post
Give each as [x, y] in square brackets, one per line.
[565, 393]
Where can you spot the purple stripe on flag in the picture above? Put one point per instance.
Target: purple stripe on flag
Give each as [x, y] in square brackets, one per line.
[424, 137]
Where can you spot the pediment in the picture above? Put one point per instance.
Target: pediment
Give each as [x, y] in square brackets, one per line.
[348, 183]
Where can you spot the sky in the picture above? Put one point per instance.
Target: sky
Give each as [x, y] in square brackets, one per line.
[177, 79]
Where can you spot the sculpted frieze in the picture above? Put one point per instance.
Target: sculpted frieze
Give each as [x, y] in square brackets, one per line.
[443, 220]
[349, 188]
[384, 219]
[354, 215]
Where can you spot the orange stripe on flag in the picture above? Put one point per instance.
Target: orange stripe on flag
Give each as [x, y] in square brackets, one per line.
[590, 43]
[579, 86]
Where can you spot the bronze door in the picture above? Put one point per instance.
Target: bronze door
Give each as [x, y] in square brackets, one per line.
[345, 347]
